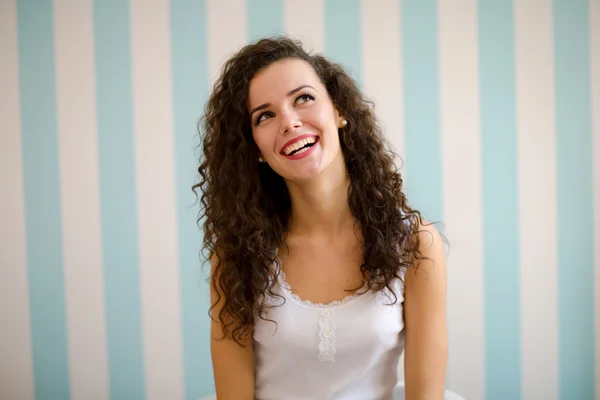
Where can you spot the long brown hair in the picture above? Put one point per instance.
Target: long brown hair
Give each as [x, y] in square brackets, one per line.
[246, 205]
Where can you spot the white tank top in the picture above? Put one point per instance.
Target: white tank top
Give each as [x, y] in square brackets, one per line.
[344, 350]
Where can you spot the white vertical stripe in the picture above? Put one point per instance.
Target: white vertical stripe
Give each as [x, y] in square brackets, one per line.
[16, 369]
[382, 74]
[536, 152]
[227, 32]
[595, 68]
[304, 21]
[80, 194]
[155, 176]
[382, 63]
[461, 170]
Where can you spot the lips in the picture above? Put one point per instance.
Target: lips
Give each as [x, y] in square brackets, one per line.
[303, 153]
[295, 140]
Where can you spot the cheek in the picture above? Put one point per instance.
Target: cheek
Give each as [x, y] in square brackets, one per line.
[329, 124]
[257, 141]
[263, 141]
[324, 118]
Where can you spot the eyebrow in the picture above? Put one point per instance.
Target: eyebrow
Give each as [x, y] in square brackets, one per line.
[290, 93]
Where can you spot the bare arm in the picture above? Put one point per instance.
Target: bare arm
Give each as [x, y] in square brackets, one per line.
[425, 318]
[233, 365]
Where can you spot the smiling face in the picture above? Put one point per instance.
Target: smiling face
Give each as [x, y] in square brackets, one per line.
[294, 122]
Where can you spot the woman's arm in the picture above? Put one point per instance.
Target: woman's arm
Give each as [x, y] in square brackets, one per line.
[425, 319]
[233, 365]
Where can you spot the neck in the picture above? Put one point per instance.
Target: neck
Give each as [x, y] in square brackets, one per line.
[320, 206]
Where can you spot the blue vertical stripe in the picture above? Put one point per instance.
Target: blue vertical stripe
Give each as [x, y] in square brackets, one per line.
[190, 86]
[500, 201]
[422, 107]
[574, 198]
[342, 35]
[42, 199]
[118, 198]
[265, 18]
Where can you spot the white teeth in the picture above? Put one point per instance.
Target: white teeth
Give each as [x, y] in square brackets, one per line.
[299, 144]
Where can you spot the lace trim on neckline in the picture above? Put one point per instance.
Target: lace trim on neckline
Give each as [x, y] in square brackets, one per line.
[336, 303]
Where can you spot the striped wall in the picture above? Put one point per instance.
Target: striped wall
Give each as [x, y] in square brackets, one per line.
[494, 107]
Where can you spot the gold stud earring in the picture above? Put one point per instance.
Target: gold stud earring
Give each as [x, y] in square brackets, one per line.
[343, 123]
[261, 159]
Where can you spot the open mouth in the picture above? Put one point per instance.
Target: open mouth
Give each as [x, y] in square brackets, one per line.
[300, 146]
[302, 149]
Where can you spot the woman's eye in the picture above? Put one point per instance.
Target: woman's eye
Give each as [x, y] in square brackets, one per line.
[262, 117]
[304, 98]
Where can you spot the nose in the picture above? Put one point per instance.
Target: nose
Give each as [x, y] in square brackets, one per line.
[289, 121]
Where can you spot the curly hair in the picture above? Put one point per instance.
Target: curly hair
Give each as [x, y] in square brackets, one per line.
[246, 205]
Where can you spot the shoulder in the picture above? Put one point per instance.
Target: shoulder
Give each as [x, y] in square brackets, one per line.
[430, 240]
[429, 272]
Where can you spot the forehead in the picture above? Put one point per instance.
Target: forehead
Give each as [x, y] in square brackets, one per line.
[279, 78]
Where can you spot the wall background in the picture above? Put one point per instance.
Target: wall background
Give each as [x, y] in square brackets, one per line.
[493, 105]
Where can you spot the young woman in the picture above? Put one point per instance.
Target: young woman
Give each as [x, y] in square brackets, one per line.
[322, 274]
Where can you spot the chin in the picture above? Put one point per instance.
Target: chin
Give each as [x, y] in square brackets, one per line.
[303, 176]
[308, 172]
[311, 168]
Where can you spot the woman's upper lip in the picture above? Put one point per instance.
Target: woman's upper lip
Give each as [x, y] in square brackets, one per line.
[296, 139]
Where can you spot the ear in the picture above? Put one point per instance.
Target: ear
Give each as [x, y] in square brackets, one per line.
[337, 116]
